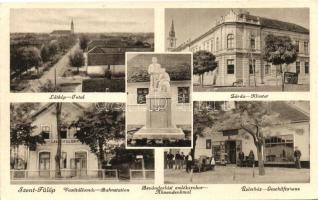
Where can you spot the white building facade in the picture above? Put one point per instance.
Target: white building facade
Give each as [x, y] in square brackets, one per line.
[77, 160]
[238, 39]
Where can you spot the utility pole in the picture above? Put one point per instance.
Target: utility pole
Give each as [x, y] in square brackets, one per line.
[54, 77]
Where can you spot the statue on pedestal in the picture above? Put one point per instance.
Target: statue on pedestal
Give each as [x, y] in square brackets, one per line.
[159, 78]
[159, 125]
[154, 70]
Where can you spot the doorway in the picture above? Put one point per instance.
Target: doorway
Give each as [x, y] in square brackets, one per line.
[230, 149]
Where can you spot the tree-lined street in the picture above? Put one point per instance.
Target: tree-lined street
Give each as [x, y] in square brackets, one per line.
[59, 68]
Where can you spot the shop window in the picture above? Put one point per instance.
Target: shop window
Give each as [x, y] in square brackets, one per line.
[297, 46]
[208, 143]
[306, 48]
[251, 66]
[230, 41]
[218, 148]
[141, 95]
[306, 67]
[297, 67]
[230, 66]
[279, 148]
[183, 95]
[63, 160]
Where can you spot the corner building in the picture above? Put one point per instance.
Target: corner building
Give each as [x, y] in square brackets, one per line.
[238, 40]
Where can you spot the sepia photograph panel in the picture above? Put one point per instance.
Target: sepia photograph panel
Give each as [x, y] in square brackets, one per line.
[67, 143]
[251, 49]
[159, 104]
[75, 50]
[244, 142]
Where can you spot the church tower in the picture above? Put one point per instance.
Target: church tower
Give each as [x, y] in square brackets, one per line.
[172, 38]
[72, 27]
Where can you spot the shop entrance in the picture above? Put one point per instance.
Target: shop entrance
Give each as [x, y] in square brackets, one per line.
[230, 149]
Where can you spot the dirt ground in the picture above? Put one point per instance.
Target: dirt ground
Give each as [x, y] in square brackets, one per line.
[231, 174]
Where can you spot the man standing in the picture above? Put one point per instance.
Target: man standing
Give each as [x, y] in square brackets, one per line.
[154, 71]
[251, 158]
[241, 157]
[189, 162]
[177, 161]
[170, 160]
[297, 155]
[182, 158]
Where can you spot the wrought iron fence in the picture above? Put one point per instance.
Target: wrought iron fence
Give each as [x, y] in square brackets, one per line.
[99, 174]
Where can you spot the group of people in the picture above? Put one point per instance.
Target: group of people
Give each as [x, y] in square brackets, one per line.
[248, 161]
[179, 160]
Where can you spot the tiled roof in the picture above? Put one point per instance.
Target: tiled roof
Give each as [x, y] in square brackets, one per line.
[49, 105]
[98, 59]
[284, 26]
[110, 56]
[264, 22]
[288, 112]
[115, 43]
[61, 32]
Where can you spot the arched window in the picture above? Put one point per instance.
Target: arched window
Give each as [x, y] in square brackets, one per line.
[230, 41]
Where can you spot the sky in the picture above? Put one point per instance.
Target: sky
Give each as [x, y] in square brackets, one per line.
[85, 20]
[192, 22]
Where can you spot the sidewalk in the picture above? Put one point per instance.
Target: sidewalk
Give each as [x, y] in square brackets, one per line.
[224, 175]
[259, 88]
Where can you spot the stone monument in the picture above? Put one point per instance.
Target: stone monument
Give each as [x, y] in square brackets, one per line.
[159, 124]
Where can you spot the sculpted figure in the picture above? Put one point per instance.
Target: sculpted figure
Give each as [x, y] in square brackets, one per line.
[154, 70]
[164, 81]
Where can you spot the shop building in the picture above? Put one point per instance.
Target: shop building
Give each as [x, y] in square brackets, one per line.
[280, 140]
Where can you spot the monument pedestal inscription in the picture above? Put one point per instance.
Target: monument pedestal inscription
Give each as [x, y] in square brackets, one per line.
[158, 120]
[159, 125]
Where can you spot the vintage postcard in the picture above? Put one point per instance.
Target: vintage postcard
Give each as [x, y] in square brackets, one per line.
[158, 100]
